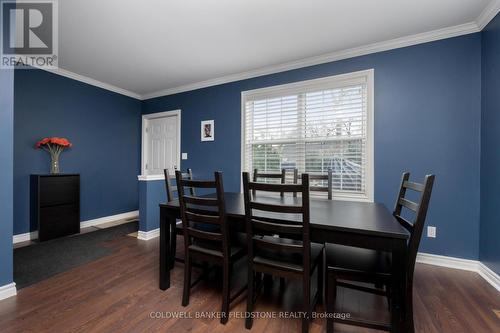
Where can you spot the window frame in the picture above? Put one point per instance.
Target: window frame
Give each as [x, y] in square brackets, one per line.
[342, 80]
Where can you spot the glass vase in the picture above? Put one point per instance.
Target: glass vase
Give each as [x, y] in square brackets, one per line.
[54, 164]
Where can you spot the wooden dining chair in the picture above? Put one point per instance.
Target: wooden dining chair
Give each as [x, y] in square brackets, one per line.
[345, 263]
[259, 176]
[212, 246]
[322, 188]
[291, 254]
[171, 190]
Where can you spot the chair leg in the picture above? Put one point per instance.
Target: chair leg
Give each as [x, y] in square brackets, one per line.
[187, 280]
[330, 295]
[409, 311]
[258, 278]
[226, 283]
[320, 278]
[206, 271]
[388, 290]
[250, 296]
[306, 301]
[173, 245]
[268, 281]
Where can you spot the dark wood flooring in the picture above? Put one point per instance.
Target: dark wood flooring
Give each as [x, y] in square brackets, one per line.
[119, 292]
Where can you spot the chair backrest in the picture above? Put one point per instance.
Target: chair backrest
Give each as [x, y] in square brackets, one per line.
[173, 188]
[318, 188]
[196, 210]
[266, 218]
[419, 211]
[264, 176]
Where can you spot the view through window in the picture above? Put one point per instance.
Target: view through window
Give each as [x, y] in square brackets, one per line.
[313, 126]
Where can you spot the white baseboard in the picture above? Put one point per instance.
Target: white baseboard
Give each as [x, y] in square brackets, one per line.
[490, 276]
[84, 224]
[463, 264]
[24, 237]
[106, 219]
[148, 235]
[8, 290]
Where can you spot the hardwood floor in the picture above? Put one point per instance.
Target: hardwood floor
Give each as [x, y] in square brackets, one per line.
[119, 293]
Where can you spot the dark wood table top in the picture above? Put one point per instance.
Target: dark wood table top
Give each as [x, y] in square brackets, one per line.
[353, 217]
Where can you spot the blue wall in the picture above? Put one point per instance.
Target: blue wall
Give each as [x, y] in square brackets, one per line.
[427, 119]
[6, 171]
[490, 147]
[151, 194]
[104, 128]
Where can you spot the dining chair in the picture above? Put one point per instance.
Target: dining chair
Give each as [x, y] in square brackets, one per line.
[291, 254]
[328, 177]
[345, 264]
[171, 189]
[212, 246]
[257, 176]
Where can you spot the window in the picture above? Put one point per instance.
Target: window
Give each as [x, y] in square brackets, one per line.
[314, 126]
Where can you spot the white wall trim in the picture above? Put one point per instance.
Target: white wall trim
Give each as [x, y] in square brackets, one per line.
[458, 30]
[83, 224]
[463, 264]
[8, 290]
[488, 14]
[449, 262]
[24, 237]
[106, 219]
[463, 29]
[148, 235]
[150, 177]
[490, 276]
[144, 150]
[92, 82]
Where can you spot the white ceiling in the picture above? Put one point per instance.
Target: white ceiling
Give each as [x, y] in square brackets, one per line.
[149, 46]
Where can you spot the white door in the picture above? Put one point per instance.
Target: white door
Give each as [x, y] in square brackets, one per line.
[162, 145]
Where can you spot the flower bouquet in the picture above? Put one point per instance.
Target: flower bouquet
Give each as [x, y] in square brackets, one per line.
[54, 146]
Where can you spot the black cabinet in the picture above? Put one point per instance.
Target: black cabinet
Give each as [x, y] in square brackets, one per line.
[55, 205]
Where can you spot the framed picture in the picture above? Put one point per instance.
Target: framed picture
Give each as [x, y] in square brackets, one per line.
[207, 130]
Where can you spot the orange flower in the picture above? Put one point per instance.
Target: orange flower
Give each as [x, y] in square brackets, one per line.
[63, 142]
[42, 142]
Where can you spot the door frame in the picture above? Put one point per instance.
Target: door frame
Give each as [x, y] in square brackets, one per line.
[144, 141]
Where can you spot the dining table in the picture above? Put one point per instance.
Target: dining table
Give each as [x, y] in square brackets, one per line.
[352, 223]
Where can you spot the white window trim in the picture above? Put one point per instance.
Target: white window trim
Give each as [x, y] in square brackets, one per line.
[144, 151]
[340, 80]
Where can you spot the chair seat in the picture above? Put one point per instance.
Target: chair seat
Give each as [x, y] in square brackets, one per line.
[201, 226]
[285, 260]
[354, 260]
[178, 227]
[215, 249]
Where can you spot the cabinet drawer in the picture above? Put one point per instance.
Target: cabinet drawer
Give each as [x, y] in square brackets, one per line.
[59, 190]
[57, 221]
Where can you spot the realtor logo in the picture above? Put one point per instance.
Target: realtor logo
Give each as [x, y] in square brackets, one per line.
[29, 34]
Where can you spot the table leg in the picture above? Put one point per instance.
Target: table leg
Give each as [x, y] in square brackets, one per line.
[398, 290]
[164, 250]
[173, 242]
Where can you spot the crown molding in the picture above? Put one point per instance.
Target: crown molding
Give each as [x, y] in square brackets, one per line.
[488, 14]
[92, 82]
[463, 29]
[458, 30]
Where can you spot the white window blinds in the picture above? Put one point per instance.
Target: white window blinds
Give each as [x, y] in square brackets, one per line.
[314, 126]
